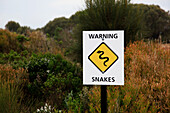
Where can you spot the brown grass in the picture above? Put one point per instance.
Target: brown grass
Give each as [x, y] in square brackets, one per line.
[11, 95]
[147, 81]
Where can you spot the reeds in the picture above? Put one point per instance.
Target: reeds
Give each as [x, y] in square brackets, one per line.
[11, 94]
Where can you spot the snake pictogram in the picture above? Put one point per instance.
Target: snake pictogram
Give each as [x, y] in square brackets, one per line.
[100, 56]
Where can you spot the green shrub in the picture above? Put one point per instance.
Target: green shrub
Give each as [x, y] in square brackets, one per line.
[15, 59]
[51, 75]
[72, 104]
[78, 103]
[22, 38]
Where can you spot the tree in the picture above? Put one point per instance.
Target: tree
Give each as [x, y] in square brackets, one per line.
[157, 21]
[12, 26]
[112, 15]
[23, 30]
[51, 26]
[109, 15]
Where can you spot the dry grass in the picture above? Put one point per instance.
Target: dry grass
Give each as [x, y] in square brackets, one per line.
[146, 89]
[11, 95]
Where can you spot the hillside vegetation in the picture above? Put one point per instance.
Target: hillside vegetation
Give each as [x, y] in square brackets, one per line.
[41, 70]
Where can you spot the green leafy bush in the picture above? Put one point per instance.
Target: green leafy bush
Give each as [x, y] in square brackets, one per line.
[15, 59]
[22, 38]
[72, 103]
[51, 75]
[78, 103]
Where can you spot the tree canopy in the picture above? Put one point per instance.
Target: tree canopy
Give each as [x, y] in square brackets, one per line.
[12, 26]
[112, 15]
[157, 21]
[51, 26]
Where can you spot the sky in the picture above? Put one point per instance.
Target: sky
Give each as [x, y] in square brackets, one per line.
[37, 13]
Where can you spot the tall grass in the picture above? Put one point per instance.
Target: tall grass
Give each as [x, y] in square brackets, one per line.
[11, 95]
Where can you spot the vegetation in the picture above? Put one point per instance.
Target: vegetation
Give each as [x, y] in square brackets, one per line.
[146, 82]
[50, 76]
[40, 70]
[11, 95]
[52, 27]
[112, 15]
[12, 26]
[157, 22]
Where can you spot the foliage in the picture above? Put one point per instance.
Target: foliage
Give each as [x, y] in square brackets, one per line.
[22, 38]
[146, 81]
[157, 21]
[11, 95]
[51, 75]
[78, 104]
[72, 103]
[52, 79]
[23, 30]
[8, 41]
[94, 100]
[15, 59]
[56, 33]
[39, 43]
[12, 41]
[108, 15]
[149, 62]
[51, 26]
[112, 15]
[75, 18]
[12, 26]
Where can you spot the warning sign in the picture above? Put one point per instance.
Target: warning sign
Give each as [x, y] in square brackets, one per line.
[103, 57]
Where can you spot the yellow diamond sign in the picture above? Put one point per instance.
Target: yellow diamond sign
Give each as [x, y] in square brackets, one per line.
[103, 57]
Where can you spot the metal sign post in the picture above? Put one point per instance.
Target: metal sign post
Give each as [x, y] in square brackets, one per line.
[103, 99]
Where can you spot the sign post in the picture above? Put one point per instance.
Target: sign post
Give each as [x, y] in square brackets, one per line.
[103, 60]
[103, 99]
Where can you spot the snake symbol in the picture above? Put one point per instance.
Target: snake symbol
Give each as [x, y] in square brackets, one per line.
[100, 56]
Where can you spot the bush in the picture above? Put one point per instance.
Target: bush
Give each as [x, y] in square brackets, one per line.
[51, 75]
[78, 103]
[8, 41]
[22, 38]
[146, 81]
[15, 59]
[39, 43]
